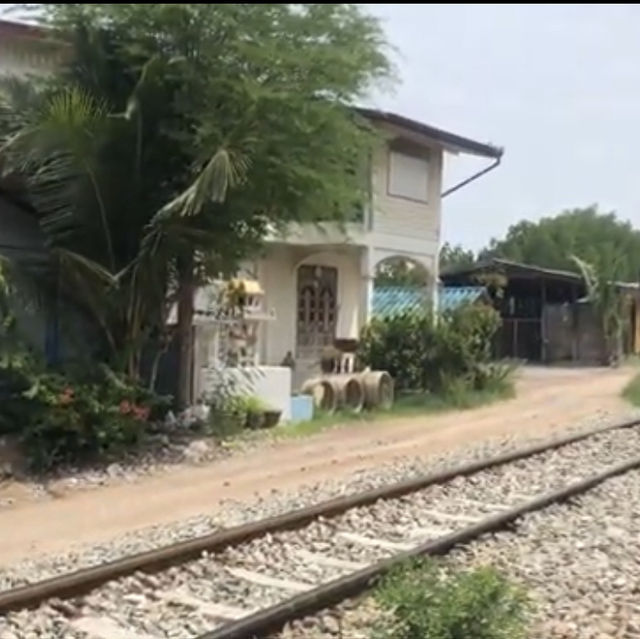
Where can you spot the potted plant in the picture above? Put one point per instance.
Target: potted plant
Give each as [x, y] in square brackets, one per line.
[271, 417]
[255, 409]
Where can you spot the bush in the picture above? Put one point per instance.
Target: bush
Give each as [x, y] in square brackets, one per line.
[423, 354]
[424, 601]
[59, 419]
[66, 417]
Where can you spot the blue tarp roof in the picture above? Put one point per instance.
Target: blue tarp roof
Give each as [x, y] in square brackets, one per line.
[390, 300]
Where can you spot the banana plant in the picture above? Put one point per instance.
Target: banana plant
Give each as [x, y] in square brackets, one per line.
[609, 302]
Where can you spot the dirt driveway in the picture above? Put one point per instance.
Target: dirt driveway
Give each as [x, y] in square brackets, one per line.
[548, 399]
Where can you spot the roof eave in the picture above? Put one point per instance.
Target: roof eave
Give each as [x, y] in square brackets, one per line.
[451, 142]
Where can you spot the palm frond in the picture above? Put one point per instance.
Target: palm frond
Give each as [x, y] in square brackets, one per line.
[67, 122]
[58, 151]
[590, 276]
[85, 267]
[225, 170]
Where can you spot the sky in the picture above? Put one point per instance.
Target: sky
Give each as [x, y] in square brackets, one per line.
[558, 86]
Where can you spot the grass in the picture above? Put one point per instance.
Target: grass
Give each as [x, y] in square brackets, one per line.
[413, 405]
[631, 392]
[427, 598]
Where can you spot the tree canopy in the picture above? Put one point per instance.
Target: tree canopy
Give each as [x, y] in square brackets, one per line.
[176, 135]
[598, 238]
[455, 255]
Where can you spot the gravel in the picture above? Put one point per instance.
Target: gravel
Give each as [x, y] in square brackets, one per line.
[580, 563]
[134, 601]
[231, 512]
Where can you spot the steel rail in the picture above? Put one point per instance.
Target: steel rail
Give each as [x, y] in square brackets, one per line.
[81, 581]
[270, 620]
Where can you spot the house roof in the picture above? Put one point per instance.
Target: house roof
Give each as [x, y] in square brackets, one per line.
[392, 300]
[450, 141]
[510, 267]
[518, 269]
[20, 30]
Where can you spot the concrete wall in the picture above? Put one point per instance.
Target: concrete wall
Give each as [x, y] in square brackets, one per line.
[24, 52]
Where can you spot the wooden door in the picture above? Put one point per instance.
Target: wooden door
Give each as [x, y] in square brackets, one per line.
[317, 309]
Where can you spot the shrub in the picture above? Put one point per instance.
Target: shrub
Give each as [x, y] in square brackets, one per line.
[66, 416]
[424, 601]
[423, 354]
[62, 420]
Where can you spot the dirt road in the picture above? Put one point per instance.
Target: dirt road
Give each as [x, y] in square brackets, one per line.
[547, 399]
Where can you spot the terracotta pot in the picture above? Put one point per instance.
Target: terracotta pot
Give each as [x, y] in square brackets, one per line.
[255, 421]
[271, 418]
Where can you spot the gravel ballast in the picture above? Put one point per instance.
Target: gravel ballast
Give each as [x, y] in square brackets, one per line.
[134, 602]
[232, 513]
[580, 563]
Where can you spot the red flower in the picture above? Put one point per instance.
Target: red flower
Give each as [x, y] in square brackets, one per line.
[141, 413]
[66, 396]
[125, 407]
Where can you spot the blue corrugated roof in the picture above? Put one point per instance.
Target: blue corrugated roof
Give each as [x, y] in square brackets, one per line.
[453, 296]
[391, 300]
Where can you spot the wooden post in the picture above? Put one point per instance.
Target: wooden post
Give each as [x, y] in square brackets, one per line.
[574, 324]
[543, 328]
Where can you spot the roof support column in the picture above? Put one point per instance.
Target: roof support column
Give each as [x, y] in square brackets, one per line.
[367, 277]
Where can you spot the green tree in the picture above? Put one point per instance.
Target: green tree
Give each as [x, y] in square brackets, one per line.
[178, 135]
[454, 256]
[400, 272]
[551, 241]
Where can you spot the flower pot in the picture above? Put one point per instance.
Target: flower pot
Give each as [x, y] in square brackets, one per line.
[271, 418]
[255, 420]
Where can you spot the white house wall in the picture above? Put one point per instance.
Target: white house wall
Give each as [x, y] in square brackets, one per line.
[22, 56]
[395, 226]
[278, 277]
[403, 217]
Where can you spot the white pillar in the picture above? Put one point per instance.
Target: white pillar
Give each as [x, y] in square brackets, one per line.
[367, 275]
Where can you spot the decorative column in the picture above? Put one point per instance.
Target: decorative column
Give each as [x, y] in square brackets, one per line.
[367, 275]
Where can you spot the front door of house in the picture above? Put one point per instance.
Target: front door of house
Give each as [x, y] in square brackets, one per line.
[317, 309]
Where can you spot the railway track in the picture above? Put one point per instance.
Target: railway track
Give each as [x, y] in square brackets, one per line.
[251, 580]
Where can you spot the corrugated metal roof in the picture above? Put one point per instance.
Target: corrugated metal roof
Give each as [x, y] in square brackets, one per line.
[509, 265]
[453, 296]
[392, 300]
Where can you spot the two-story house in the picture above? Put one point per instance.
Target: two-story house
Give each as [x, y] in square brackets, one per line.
[319, 280]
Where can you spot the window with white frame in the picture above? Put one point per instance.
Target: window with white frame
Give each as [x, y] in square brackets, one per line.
[408, 176]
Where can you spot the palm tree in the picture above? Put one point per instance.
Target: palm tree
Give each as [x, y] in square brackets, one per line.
[106, 181]
[176, 135]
